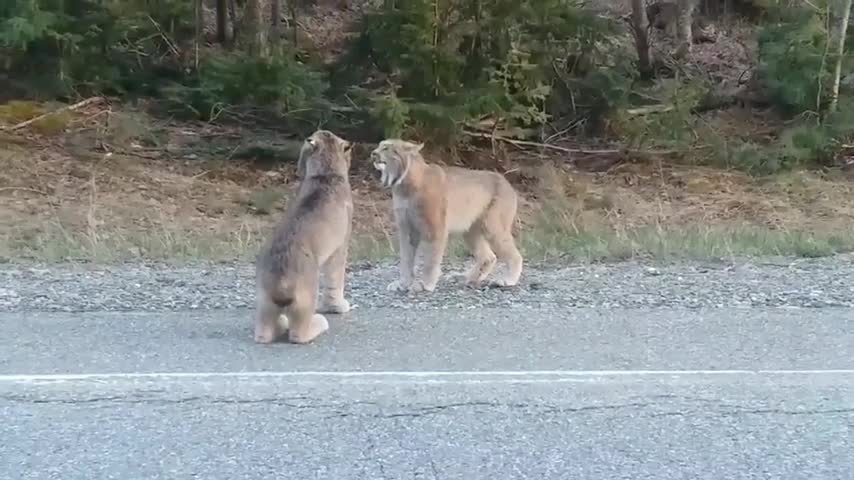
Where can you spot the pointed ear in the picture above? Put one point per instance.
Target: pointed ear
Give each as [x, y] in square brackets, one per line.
[307, 148]
[347, 148]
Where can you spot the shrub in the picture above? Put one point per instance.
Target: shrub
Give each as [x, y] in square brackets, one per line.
[281, 84]
[96, 46]
[793, 58]
[144, 47]
[458, 62]
[806, 144]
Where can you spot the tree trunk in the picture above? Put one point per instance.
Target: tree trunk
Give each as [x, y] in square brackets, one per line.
[683, 27]
[844, 14]
[639, 29]
[292, 6]
[221, 21]
[715, 8]
[255, 29]
[275, 22]
[232, 14]
[198, 6]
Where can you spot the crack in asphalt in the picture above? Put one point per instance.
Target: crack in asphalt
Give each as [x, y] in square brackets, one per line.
[139, 399]
[339, 411]
[289, 402]
[777, 411]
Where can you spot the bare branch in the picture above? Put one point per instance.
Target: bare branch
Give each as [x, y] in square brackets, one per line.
[78, 105]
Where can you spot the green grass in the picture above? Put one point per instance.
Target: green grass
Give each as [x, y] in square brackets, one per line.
[692, 242]
[53, 243]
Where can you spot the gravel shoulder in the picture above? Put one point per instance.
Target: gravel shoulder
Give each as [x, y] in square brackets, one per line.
[776, 282]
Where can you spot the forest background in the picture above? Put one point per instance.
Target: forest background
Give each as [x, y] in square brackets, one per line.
[169, 129]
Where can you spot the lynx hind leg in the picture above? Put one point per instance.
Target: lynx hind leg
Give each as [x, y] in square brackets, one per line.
[498, 223]
[270, 324]
[304, 325]
[484, 257]
[506, 249]
[332, 288]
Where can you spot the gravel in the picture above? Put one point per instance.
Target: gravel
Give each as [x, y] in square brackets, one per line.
[816, 283]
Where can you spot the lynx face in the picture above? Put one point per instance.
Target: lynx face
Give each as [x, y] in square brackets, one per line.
[392, 159]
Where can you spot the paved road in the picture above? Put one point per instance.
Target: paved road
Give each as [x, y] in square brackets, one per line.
[443, 394]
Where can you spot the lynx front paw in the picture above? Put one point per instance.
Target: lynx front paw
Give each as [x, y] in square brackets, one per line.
[477, 274]
[397, 286]
[335, 306]
[419, 286]
[318, 325]
[503, 283]
[266, 334]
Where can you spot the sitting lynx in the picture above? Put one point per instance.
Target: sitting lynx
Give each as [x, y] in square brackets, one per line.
[312, 239]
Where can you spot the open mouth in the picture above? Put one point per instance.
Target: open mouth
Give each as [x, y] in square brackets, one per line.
[381, 167]
[385, 178]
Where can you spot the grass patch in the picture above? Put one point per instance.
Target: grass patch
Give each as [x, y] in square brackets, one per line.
[58, 204]
[538, 243]
[15, 112]
[54, 243]
[685, 214]
[264, 201]
[682, 243]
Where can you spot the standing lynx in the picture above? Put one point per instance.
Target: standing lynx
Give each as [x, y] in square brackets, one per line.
[431, 201]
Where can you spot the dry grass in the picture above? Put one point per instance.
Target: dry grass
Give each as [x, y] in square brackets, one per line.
[114, 208]
[649, 210]
[110, 208]
[62, 197]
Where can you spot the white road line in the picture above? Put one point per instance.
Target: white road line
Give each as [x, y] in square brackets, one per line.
[474, 375]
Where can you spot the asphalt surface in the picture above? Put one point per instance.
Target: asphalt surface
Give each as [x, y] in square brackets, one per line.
[728, 393]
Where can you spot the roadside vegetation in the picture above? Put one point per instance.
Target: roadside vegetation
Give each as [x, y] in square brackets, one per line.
[167, 129]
